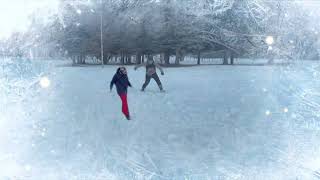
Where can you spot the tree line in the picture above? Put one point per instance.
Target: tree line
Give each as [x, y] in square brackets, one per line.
[129, 30]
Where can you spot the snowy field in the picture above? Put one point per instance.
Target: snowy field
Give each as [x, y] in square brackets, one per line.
[214, 122]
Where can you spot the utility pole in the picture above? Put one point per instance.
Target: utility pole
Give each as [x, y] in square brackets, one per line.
[101, 32]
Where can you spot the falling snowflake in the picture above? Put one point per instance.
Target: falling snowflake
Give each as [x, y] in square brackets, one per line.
[269, 40]
[43, 134]
[27, 167]
[44, 82]
[268, 113]
[315, 74]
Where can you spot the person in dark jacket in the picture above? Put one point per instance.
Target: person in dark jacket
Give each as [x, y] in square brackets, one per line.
[151, 72]
[120, 79]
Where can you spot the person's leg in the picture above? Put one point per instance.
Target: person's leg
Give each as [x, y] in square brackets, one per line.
[147, 81]
[157, 79]
[125, 108]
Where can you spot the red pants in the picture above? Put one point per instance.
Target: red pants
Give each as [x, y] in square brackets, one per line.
[125, 109]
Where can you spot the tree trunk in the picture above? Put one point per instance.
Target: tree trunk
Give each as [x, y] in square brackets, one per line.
[82, 59]
[271, 60]
[166, 58]
[138, 58]
[73, 60]
[129, 59]
[199, 57]
[126, 59]
[121, 58]
[178, 56]
[162, 58]
[225, 57]
[232, 58]
[106, 58]
[182, 55]
[270, 56]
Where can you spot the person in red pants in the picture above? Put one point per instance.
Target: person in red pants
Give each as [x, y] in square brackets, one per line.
[120, 79]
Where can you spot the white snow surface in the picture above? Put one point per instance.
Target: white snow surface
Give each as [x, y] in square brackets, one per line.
[213, 122]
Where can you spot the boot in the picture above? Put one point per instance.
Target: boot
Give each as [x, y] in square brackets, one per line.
[161, 88]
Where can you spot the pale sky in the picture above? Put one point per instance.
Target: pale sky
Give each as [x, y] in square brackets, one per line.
[14, 13]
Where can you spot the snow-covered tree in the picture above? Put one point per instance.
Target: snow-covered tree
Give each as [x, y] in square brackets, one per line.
[172, 27]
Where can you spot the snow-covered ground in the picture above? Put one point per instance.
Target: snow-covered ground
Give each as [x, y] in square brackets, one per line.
[214, 122]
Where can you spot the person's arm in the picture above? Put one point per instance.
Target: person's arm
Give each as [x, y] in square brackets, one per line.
[129, 83]
[139, 66]
[114, 79]
[160, 68]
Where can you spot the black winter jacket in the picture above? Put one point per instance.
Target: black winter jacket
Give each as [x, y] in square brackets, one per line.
[121, 81]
